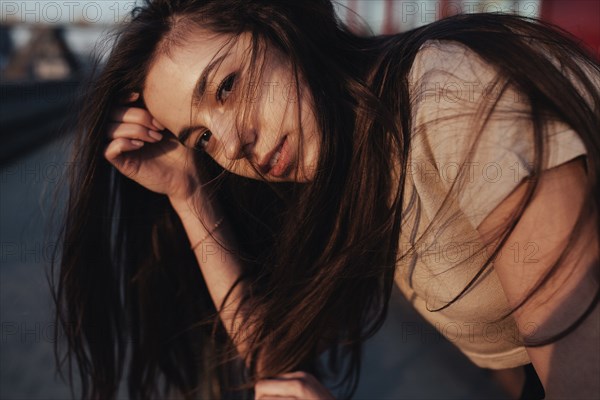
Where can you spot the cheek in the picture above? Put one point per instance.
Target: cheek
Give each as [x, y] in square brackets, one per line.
[315, 145]
[241, 167]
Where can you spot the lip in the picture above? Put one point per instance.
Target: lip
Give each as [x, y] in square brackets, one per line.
[264, 166]
[280, 168]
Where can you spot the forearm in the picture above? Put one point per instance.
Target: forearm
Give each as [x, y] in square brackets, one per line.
[218, 263]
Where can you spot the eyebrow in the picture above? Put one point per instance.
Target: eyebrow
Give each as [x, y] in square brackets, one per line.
[198, 93]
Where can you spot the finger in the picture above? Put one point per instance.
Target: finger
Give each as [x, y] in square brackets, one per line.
[300, 375]
[158, 124]
[133, 96]
[136, 115]
[276, 398]
[132, 131]
[295, 374]
[129, 98]
[279, 387]
[120, 146]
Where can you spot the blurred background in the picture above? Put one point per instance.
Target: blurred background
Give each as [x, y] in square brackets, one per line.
[45, 52]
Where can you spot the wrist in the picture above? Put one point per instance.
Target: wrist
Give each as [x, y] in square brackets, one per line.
[184, 192]
[201, 219]
[181, 204]
[195, 206]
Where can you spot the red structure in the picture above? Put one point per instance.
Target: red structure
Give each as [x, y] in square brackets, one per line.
[579, 17]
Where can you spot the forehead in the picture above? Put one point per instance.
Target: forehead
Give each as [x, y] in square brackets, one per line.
[172, 75]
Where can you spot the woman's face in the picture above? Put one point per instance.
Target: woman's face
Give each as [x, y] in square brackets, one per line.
[201, 101]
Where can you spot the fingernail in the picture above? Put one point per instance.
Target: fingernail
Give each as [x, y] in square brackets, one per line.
[154, 135]
[137, 142]
[157, 124]
[134, 96]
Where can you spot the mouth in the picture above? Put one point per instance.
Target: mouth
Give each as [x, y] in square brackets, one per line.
[278, 161]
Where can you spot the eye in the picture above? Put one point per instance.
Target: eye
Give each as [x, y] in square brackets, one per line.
[225, 88]
[204, 137]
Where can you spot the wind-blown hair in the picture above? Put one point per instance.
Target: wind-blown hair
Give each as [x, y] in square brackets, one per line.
[319, 257]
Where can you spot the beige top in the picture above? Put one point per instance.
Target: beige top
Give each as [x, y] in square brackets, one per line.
[448, 79]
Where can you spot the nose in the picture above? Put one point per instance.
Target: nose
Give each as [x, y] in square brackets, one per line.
[238, 143]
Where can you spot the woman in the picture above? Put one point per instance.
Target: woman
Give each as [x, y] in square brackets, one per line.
[252, 179]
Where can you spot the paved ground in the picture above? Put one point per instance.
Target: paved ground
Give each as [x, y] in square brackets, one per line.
[398, 364]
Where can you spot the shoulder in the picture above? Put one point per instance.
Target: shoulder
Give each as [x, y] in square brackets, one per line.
[448, 84]
[450, 59]
[435, 49]
[467, 114]
[448, 78]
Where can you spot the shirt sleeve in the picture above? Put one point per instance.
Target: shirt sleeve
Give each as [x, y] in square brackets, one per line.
[453, 90]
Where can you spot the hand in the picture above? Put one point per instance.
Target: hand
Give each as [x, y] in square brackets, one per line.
[137, 149]
[298, 385]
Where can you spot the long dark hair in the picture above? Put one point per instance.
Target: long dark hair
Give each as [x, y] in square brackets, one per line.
[319, 257]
